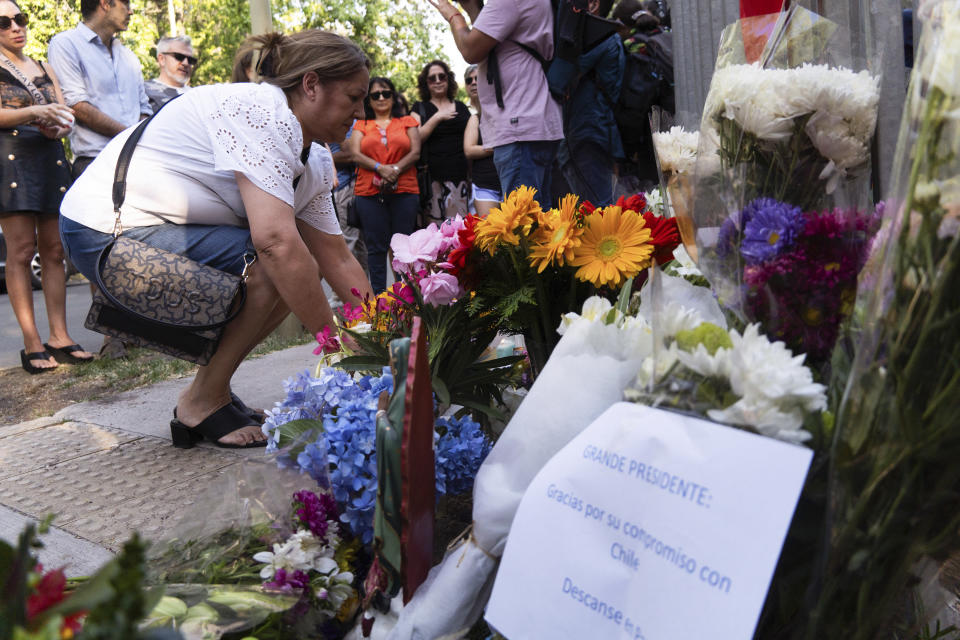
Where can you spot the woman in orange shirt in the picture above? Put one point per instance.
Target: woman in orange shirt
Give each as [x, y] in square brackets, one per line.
[385, 145]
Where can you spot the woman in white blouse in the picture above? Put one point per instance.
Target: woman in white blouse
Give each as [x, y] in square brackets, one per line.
[224, 171]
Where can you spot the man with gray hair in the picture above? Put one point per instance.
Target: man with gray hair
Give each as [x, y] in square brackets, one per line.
[177, 60]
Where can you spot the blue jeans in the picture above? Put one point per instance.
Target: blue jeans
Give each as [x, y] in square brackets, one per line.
[221, 247]
[526, 163]
[588, 169]
[380, 218]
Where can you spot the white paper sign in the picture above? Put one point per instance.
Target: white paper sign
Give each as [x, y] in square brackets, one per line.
[652, 526]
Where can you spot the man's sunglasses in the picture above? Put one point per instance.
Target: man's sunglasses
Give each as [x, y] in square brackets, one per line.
[181, 57]
[381, 95]
[470, 80]
[6, 22]
[437, 77]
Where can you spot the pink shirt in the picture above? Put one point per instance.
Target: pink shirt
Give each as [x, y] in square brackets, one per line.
[530, 112]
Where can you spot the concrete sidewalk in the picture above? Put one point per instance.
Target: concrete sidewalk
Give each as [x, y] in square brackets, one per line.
[107, 468]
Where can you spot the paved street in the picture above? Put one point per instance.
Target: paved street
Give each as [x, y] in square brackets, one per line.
[78, 303]
[107, 468]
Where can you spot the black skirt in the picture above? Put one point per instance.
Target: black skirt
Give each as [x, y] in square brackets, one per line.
[34, 173]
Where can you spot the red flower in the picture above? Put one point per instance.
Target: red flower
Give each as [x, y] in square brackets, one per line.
[587, 207]
[467, 236]
[664, 236]
[48, 592]
[637, 202]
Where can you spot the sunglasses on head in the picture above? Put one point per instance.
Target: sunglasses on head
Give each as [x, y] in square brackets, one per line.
[6, 22]
[381, 95]
[181, 57]
[437, 77]
[470, 80]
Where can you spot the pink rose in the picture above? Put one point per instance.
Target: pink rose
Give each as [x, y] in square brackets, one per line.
[412, 252]
[439, 289]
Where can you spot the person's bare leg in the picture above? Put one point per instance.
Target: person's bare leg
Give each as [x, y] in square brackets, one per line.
[54, 282]
[210, 388]
[280, 312]
[19, 232]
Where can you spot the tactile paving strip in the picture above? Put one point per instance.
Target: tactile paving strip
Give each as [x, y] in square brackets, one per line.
[112, 489]
[154, 516]
[54, 444]
[17, 429]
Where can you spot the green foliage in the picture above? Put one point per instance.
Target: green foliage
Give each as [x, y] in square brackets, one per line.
[398, 36]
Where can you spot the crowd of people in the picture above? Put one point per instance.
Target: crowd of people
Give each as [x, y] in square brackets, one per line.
[304, 160]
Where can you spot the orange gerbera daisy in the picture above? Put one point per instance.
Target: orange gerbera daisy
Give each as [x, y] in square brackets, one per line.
[510, 221]
[557, 236]
[615, 246]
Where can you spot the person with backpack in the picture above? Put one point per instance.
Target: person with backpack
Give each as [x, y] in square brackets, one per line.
[521, 120]
[647, 82]
[589, 89]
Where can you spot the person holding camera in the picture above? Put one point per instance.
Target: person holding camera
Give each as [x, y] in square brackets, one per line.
[35, 174]
[385, 147]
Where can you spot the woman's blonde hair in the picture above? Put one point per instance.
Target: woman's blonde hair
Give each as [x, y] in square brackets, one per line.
[285, 59]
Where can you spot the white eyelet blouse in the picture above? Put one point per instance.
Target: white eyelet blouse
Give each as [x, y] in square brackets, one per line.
[182, 170]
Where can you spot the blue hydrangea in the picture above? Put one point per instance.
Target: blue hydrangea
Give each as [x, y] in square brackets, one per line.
[347, 408]
[461, 446]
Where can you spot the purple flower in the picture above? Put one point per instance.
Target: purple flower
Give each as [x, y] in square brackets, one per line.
[286, 581]
[772, 228]
[314, 511]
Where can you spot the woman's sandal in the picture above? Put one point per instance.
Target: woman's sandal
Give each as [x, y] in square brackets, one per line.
[25, 359]
[258, 416]
[221, 422]
[64, 355]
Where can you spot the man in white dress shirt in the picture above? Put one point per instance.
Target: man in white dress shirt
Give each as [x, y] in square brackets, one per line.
[103, 82]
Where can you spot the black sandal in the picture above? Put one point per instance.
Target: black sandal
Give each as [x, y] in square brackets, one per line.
[25, 359]
[221, 422]
[64, 355]
[258, 416]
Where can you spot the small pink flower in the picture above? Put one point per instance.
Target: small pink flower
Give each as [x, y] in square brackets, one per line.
[327, 343]
[450, 234]
[440, 289]
[412, 252]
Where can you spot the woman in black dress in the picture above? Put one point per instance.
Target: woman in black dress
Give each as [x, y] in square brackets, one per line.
[34, 175]
[442, 122]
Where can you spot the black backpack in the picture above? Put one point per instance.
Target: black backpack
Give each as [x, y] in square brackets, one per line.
[647, 82]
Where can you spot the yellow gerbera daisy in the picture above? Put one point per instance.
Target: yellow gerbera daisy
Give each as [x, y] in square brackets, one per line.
[615, 246]
[516, 214]
[557, 236]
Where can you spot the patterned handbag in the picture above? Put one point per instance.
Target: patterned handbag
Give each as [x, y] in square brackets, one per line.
[158, 299]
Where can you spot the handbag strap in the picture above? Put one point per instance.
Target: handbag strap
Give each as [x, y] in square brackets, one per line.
[23, 79]
[123, 165]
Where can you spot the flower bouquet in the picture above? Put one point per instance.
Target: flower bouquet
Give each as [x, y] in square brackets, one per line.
[261, 552]
[782, 191]
[431, 262]
[526, 267]
[326, 427]
[895, 508]
[43, 604]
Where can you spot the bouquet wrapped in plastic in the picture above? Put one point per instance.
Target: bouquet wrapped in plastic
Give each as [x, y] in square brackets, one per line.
[782, 203]
[895, 504]
[261, 549]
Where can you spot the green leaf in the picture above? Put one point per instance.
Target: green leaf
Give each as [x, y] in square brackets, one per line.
[440, 388]
[290, 432]
[623, 300]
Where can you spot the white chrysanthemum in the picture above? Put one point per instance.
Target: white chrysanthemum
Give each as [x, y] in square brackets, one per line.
[716, 365]
[763, 369]
[765, 417]
[336, 591]
[674, 318]
[676, 150]
[655, 367]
